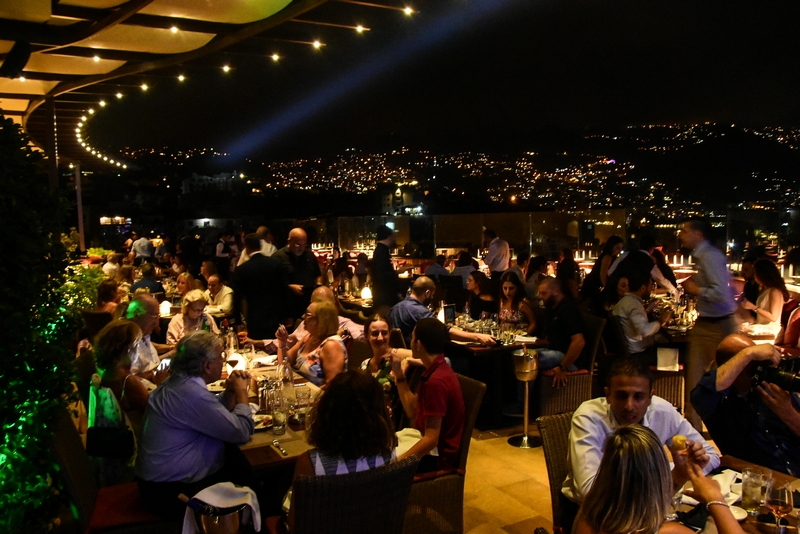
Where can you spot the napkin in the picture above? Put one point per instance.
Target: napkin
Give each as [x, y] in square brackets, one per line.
[724, 479]
[407, 438]
[667, 359]
[266, 360]
[526, 339]
[226, 495]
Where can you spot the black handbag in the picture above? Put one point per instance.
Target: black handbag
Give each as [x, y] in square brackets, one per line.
[110, 442]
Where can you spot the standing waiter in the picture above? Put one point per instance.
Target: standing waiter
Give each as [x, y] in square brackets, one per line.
[716, 305]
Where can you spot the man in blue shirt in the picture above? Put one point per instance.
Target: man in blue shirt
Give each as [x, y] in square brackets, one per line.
[758, 423]
[407, 313]
[147, 280]
[716, 305]
[189, 437]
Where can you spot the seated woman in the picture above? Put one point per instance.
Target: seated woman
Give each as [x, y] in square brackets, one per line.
[480, 300]
[634, 486]
[116, 399]
[514, 307]
[108, 297]
[350, 429]
[124, 280]
[320, 355]
[184, 283]
[773, 296]
[193, 317]
[377, 332]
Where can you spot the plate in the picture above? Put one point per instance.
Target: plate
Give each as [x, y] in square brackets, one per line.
[678, 328]
[738, 513]
[262, 422]
[217, 387]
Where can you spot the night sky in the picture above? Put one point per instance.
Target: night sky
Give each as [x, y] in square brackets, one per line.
[475, 74]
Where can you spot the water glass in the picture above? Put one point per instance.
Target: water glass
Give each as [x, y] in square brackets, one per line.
[753, 480]
[674, 506]
[302, 401]
[280, 414]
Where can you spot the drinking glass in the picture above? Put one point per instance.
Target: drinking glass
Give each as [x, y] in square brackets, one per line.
[779, 501]
[753, 479]
[674, 506]
[280, 414]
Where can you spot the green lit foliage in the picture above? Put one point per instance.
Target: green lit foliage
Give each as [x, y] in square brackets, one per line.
[38, 323]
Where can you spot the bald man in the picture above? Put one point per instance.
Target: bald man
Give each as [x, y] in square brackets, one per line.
[321, 294]
[143, 310]
[758, 423]
[302, 270]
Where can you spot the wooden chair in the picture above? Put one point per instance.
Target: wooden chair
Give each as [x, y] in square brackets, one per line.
[436, 503]
[579, 383]
[113, 509]
[554, 430]
[342, 504]
[396, 339]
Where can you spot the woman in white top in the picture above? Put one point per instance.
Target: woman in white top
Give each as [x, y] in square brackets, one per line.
[193, 317]
[773, 296]
[320, 355]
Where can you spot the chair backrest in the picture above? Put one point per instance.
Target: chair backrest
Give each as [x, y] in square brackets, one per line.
[615, 336]
[396, 340]
[76, 470]
[359, 351]
[594, 335]
[472, 392]
[343, 504]
[554, 430]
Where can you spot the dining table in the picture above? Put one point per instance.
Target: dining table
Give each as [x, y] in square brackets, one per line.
[493, 365]
[750, 524]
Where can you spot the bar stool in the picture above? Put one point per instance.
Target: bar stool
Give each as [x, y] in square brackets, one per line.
[526, 369]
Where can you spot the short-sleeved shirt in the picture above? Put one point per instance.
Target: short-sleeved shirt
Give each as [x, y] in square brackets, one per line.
[439, 395]
[563, 322]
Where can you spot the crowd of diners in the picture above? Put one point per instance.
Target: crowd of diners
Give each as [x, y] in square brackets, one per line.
[619, 480]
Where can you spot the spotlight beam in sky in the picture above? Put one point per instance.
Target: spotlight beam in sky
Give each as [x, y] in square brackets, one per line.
[440, 28]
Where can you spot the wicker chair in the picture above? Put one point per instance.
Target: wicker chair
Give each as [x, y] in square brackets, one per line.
[112, 509]
[436, 503]
[341, 503]
[579, 383]
[554, 430]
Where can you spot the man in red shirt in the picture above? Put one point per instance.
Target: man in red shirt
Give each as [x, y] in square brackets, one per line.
[437, 409]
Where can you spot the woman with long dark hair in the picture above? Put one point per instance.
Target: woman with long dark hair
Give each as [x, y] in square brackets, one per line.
[773, 296]
[514, 307]
[481, 299]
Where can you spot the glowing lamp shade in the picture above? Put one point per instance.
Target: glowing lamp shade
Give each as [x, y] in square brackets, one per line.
[366, 293]
[164, 308]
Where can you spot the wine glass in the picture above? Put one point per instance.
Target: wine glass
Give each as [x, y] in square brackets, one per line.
[779, 501]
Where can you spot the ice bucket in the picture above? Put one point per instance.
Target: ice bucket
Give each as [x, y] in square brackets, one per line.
[225, 522]
[526, 364]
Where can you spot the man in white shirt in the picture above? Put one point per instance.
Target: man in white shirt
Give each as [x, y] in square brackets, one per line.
[640, 333]
[220, 297]
[267, 248]
[143, 310]
[499, 255]
[111, 267]
[629, 400]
